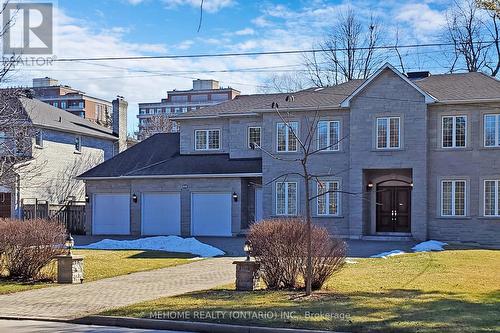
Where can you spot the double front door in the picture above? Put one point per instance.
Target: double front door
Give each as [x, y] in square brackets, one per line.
[393, 208]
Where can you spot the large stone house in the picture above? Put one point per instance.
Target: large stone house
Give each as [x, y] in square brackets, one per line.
[59, 146]
[414, 156]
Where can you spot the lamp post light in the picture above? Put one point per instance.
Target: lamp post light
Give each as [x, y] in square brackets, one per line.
[69, 243]
[248, 249]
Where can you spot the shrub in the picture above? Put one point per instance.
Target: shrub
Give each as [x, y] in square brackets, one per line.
[28, 246]
[280, 245]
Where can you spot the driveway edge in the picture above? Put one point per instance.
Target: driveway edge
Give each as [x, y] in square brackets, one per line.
[183, 325]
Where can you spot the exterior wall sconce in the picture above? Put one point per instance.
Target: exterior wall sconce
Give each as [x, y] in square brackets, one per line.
[235, 197]
[134, 197]
[87, 199]
[369, 186]
[411, 185]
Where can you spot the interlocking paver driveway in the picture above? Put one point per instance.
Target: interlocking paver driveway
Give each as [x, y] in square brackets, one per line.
[79, 300]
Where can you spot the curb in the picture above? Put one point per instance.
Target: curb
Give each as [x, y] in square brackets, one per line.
[183, 325]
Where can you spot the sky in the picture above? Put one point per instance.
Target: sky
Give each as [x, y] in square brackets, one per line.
[117, 28]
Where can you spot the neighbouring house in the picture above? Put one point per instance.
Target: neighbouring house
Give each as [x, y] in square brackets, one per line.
[77, 102]
[204, 93]
[60, 146]
[408, 156]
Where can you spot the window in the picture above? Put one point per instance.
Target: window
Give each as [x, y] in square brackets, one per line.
[219, 97]
[179, 98]
[199, 98]
[388, 133]
[453, 197]
[253, 137]
[39, 139]
[286, 198]
[56, 104]
[492, 197]
[78, 144]
[184, 109]
[328, 135]
[158, 110]
[328, 198]
[80, 105]
[207, 139]
[177, 110]
[492, 130]
[63, 105]
[286, 140]
[454, 131]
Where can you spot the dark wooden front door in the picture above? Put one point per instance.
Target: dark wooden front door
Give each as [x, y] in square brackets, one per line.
[393, 208]
[5, 205]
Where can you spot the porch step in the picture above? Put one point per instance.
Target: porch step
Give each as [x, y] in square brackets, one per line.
[388, 238]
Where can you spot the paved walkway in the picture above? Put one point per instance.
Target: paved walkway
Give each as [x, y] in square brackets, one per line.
[76, 301]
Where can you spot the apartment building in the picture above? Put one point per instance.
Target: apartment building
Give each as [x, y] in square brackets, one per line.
[204, 93]
[397, 157]
[77, 102]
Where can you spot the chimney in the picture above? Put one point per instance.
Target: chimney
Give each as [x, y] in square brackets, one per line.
[120, 122]
[418, 75]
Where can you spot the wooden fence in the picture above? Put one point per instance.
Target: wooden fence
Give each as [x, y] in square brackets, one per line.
[71, 214]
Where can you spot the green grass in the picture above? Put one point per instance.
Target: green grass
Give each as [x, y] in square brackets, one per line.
[451, 291]
[101, 264]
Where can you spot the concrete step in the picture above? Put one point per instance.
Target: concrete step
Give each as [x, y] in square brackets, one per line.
[388, 238]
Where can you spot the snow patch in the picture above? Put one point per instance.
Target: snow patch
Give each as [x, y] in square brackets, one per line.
[158, 243]
[430, 245]
[385, 255]
[349, 261]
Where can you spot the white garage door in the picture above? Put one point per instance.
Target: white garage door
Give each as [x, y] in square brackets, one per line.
[111, 214]
[211, 214]
[161, 214]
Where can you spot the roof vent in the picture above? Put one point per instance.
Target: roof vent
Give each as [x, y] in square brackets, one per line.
[418, 75]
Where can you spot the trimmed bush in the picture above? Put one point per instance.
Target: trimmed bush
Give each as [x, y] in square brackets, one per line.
[28, 246]
[280, 245]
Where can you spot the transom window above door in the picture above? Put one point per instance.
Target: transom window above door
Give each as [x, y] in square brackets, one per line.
[388, 133]
[328, 135]
[492, 130]
[454, 131]
[207, 139]
[286, 140]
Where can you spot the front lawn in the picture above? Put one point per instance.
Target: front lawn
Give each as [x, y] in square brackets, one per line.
[450, 291]
[101, 264]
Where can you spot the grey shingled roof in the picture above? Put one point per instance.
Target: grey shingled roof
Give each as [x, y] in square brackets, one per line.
[444, 87]
[48, 116]
[159, 155]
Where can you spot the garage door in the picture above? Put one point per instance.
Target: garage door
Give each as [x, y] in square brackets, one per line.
[161, 214]
[111, 214]
[211, 214]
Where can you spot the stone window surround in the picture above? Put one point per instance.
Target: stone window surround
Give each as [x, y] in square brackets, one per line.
[440, 197]
[454, 117]
[374, 118]
[483, 197]
[334, 148]
[338, 195]
[388, 133]
[497, 129]
[290, 122]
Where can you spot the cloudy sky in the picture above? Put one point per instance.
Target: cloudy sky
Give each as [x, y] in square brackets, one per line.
[159, 27]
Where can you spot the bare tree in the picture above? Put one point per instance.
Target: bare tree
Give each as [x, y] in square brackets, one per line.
[157, 124]
[16, 134]
[8, 63]
[283, 83]
[349, 51]
[473, 29]
[308, 146]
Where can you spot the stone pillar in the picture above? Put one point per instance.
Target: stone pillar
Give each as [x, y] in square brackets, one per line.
[247, 275]
[69, 268]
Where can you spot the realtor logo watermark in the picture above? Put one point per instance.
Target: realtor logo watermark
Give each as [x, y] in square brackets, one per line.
[30, 29]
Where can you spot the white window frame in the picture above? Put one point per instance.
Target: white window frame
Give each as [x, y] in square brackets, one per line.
[497, 130]
[388, 133]
[329, 146]
[453, 187]
[287, 137]
[40, 134]
[327, 196]
[286, 194]
[248, 135]
[207, 143]
[496, 200]
[454, 132]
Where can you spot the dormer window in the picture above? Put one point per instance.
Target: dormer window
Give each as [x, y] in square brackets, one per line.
[78, 144]
[207, 139]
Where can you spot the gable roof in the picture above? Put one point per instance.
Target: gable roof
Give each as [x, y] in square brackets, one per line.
[47, 116]
[159, 156]
[456, 87]
[428, 97]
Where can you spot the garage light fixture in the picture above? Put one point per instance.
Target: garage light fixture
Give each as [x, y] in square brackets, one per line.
[235, 196]
[134, 197]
